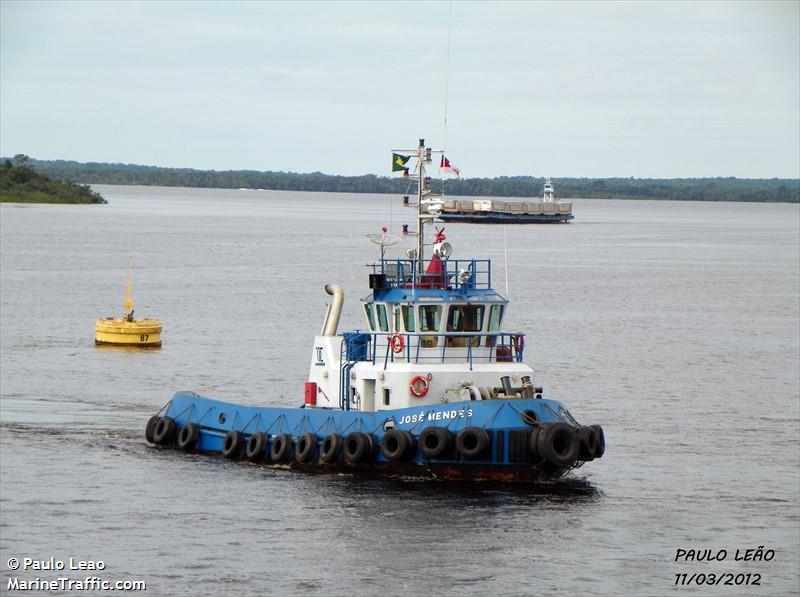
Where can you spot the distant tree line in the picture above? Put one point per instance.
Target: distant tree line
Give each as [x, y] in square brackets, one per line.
[20, 183]
[682, 189]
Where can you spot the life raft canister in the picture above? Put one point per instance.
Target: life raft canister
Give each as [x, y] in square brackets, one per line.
[397, 343]
[419, 386]
[503, 354]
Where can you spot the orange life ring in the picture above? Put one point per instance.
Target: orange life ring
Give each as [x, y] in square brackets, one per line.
[419, 386]
[396, 343]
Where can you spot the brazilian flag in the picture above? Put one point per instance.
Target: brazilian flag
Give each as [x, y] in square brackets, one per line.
[399, 162]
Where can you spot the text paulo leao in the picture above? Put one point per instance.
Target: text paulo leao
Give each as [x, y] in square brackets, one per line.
[54, 564]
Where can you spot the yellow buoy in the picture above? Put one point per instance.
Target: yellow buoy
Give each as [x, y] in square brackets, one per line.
[127, 331]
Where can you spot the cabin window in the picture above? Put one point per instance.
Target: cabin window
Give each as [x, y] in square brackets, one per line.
[495, 317]
[387, 396]
[370, 317]
[495, 320]
[465, 318]
[408, 317]
[383, 321]
[430, 319]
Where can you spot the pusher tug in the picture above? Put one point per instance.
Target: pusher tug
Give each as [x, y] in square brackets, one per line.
[491, 211]
[434, 388]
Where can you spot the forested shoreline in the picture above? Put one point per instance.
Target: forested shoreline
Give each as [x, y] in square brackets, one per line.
[681, 189]
[20, 183]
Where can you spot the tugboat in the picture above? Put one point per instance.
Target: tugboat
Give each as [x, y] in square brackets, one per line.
[127, 331]
[489, 211]
[433, 388]
[548, 192]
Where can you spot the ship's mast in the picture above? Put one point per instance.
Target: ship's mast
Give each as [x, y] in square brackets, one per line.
[424, 156]
[422, 153]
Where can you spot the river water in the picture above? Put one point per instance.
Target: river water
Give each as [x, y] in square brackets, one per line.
[675, 325]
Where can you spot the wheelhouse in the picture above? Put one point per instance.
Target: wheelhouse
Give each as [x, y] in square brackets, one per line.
[455, 313]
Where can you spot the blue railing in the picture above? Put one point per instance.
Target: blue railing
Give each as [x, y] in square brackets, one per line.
[457, 274]
[453, 347]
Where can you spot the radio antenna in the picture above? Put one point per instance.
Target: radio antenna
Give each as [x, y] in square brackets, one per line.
[447, 73]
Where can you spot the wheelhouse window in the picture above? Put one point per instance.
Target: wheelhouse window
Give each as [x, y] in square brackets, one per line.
[383, 321]
[465, 318]
[430, 320]
[370, 316]
[495, 321]
[495, 317]
[407, 312]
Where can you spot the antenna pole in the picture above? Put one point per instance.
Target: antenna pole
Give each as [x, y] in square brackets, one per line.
[420, 187]
[447, 72]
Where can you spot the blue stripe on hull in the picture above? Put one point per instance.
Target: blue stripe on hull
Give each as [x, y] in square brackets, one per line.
[499, 418]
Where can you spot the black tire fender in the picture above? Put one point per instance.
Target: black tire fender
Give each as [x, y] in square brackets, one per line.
[533, 446]
[232, 444]
[558, 444]
[164, 431]
[358, 447]
[150, 428]
[588, 441]
[306, 448]
[330, 448]
[281, 447]
[600, 438]
[188, 436]
[435, 441]
[472, 442]
[256, 448]
[397, 444]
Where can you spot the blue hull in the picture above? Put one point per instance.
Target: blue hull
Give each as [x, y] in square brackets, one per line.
[493, 439]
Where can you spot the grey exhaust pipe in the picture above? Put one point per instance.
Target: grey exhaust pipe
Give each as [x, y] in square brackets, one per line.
[334, 310]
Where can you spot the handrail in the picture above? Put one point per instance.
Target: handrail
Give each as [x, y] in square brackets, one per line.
[476, 347]
[458, 274]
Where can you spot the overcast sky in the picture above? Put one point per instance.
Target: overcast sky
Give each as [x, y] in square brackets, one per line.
[651, 89]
